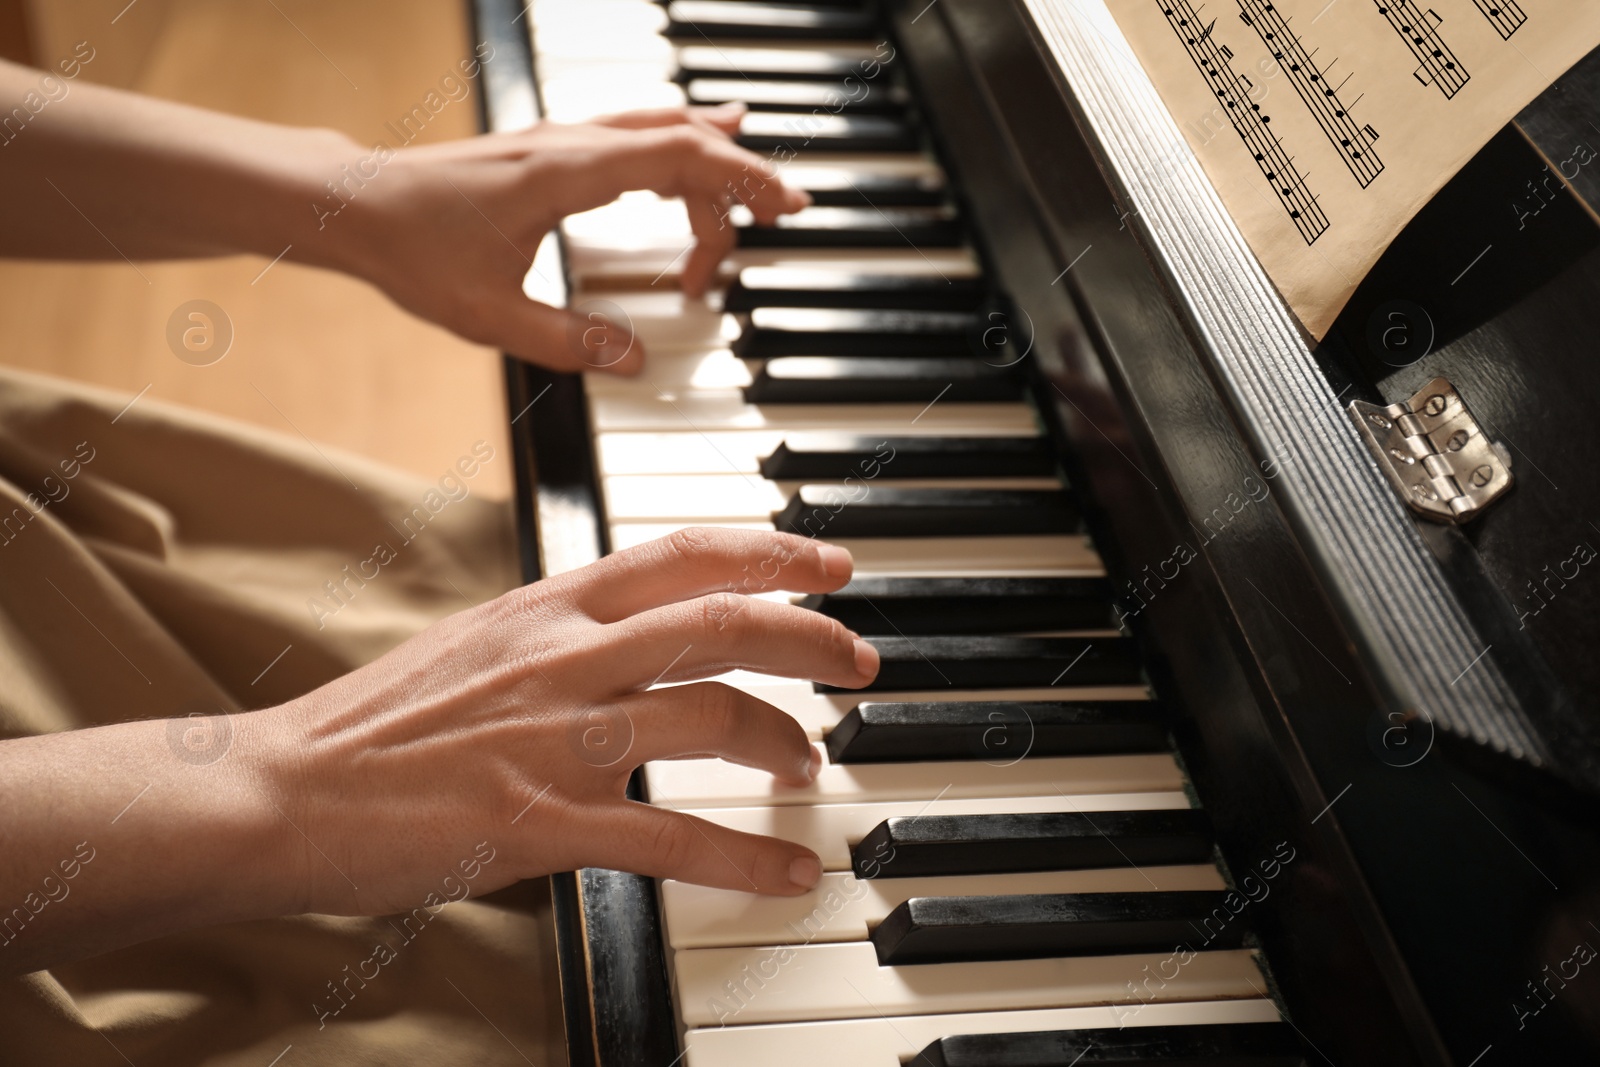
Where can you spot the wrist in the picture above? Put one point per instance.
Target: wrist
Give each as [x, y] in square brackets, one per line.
[339, 194]
[266, 781]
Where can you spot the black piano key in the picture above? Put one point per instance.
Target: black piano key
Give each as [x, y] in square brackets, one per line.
[810, 456]
[939, 845]
[777, 331]
[995, 731]
[852, 97]
[717, 19]
[778, 64]
[890, 511]
[842, 188]
[1032, 926]
[853, 380]
[769, 131]
[799, 287]
[967, 605]
[940, 662]
[858, 227]
[1214, 1045]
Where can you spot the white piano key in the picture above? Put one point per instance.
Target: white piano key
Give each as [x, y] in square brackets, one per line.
[578, 95]
[710, 498]
[831, 830]
[1054, 556]
[767, 55]
[706, 410]
[692, 498]
[684, 453]
[600, 270]
[567, 31]
[715, 783]
[976, 557]
[665, 320]
[817, 713]
[896, 1041]
[676, 372]
[695, 453]
[790, 983]
[832, 169]
[843, 907]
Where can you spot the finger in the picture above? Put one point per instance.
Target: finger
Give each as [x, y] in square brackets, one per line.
[714, 238]
[710, 719]
[723, 632]
[724, 117]
[561, 340]
[663, 843]
[688, 161]
[698, 560]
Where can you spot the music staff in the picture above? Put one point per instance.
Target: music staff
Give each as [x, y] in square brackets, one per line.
[1436, 63]
[1233, 92]
[1504, 15]
[1349, 138]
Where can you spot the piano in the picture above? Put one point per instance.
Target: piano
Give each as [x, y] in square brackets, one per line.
[1206, 733]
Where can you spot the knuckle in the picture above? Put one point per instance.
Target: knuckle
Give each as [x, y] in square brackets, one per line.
[718, 709]
[723, 613]
[692, 546]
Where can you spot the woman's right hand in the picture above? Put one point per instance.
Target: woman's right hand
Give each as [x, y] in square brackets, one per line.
[517, 723]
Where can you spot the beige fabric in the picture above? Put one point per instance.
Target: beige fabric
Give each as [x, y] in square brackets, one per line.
[155, 561]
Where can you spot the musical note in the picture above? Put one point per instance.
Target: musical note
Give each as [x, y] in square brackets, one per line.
[1247, 119]
[1352, 141]
[1437, 64]
[1504, 15]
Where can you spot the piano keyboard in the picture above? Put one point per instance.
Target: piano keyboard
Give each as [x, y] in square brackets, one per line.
[1013, 872]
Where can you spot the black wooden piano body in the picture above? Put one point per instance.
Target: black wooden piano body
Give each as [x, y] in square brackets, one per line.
[1408, 703]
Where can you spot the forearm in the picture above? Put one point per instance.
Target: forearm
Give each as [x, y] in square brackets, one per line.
[118, 834]
[98, 173]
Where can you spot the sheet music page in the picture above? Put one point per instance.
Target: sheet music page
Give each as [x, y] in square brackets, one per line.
[1326, 125]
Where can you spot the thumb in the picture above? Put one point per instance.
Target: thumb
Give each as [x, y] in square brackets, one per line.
[672, 844]
[595, 336]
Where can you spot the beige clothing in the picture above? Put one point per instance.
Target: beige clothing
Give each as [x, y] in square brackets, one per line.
[156, 561]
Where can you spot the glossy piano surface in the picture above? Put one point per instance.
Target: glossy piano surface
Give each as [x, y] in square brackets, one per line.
[1412, 889]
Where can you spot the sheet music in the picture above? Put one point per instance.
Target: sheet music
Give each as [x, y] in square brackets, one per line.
[1327, 124]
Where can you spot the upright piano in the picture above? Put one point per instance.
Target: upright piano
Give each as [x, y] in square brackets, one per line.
[1227, 716]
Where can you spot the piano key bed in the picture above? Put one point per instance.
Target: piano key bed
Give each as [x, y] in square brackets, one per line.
[1014, 870]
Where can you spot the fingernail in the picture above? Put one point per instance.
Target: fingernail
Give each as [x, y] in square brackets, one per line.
[814, 764]
[805, 872]
[866, 659]
[836, 561]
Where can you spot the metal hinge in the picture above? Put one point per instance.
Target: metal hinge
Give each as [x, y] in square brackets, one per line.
[1434, 454]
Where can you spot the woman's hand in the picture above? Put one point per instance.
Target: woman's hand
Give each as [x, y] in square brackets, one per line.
[449, 230]
[517, 724]
[492, 747]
